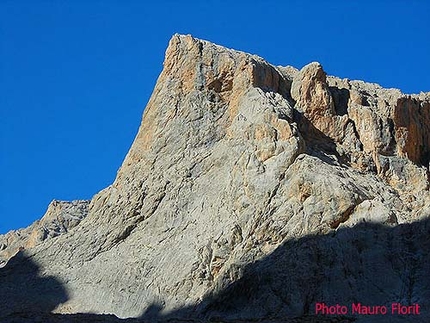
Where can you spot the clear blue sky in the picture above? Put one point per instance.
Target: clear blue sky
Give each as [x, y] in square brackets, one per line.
[75, 76]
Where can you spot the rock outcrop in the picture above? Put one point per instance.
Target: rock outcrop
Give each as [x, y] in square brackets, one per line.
[251, 192]
[59, 218]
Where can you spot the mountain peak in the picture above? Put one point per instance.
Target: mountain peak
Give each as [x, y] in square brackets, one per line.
[250, 192]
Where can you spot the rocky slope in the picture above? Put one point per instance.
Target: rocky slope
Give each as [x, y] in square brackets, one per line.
[251, 191]
[59, 218]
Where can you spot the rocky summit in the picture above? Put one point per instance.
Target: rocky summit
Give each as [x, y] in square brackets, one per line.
[251, 193]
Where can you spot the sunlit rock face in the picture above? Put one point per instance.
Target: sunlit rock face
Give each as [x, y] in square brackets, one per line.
[60, 218]
[254, 191]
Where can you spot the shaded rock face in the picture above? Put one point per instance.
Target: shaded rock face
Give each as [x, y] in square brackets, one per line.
[252, 192]
[59, 219]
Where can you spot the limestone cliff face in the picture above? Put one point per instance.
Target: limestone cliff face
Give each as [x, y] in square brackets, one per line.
[59, 218]
[253, 191]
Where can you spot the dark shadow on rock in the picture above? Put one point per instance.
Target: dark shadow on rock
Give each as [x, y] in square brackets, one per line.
[153, 312]
[24, 289]
[371, 264]
[27, 296]
[318, 144]
[341, 99]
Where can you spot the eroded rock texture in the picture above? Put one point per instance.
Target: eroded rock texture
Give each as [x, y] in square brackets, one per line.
[252, 192]
[59, 218]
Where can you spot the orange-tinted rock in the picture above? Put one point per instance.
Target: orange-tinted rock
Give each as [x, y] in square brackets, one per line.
[412, 127]
[311, 92]
[250, 192]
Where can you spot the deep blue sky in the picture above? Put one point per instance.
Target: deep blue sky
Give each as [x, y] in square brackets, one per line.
[75, 76]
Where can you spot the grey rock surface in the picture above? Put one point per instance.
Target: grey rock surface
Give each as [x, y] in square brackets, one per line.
[60, 217]
[251, 192]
